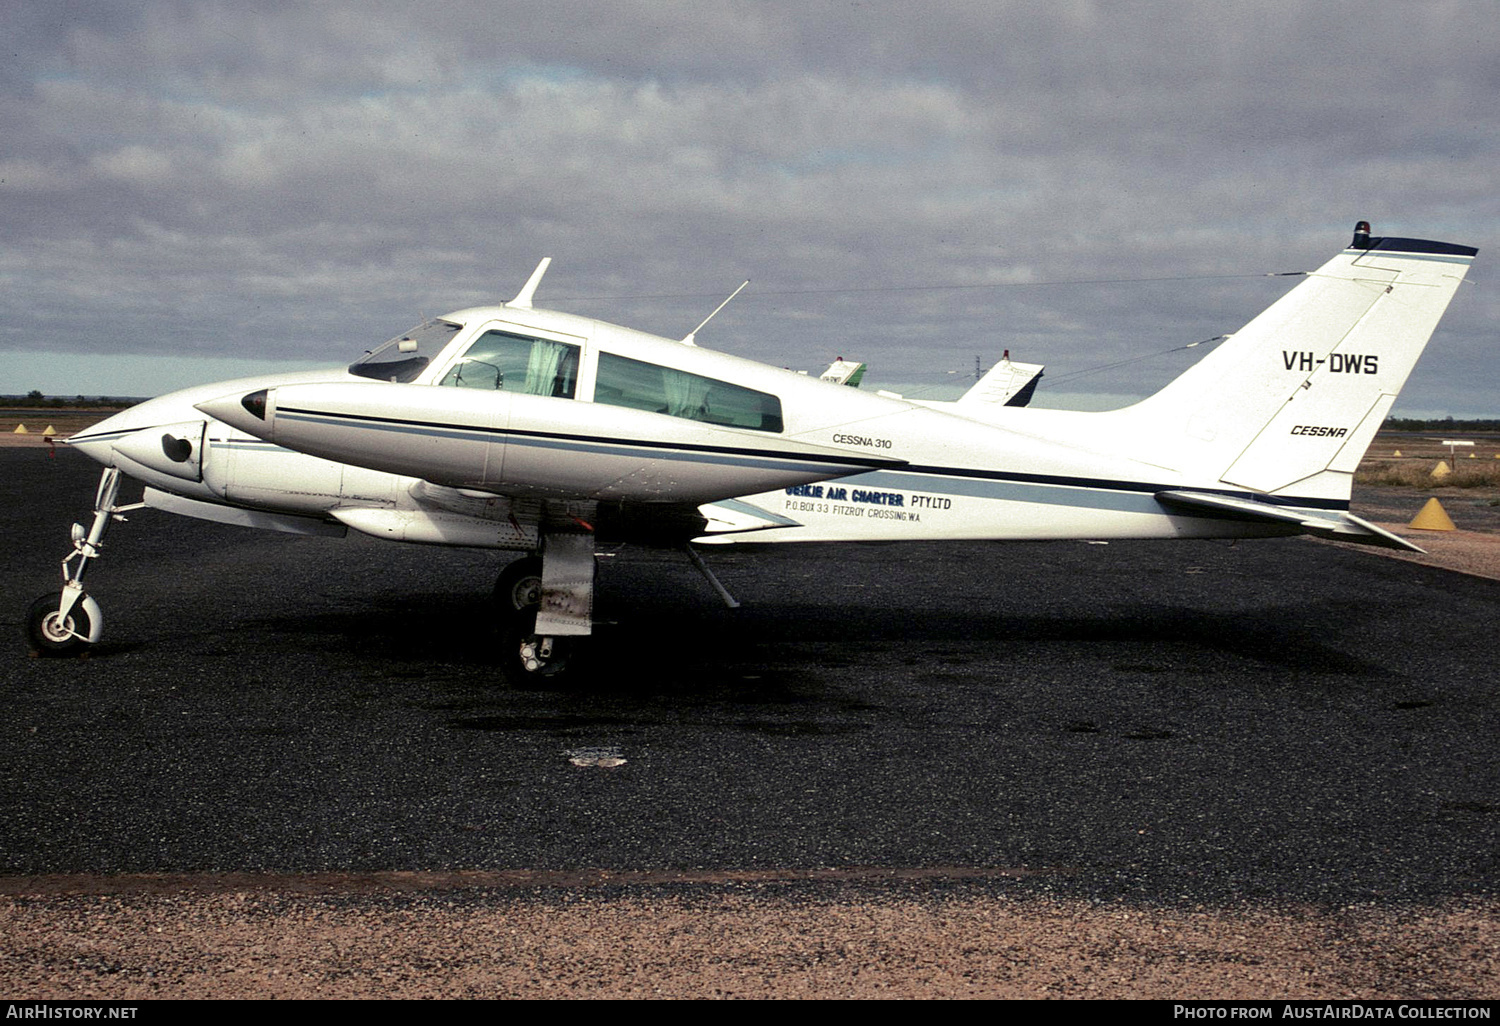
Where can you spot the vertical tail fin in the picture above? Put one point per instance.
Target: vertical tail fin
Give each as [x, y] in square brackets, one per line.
[1008, 383]
[1289, 404]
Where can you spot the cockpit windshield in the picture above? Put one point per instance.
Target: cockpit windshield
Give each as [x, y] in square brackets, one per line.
[408, 354]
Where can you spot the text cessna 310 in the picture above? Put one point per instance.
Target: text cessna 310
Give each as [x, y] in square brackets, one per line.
[546, 433]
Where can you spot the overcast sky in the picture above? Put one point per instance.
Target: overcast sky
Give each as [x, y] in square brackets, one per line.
[193, 189]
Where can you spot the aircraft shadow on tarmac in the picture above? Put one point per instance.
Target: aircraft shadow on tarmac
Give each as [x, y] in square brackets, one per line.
[658, 645]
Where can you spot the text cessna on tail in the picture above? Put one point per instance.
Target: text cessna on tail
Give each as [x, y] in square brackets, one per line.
[546, 433]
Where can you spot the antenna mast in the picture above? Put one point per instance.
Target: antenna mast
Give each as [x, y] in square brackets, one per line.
[688, 341]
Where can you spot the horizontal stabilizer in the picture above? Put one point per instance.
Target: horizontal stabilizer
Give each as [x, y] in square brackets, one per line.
[1338, 526]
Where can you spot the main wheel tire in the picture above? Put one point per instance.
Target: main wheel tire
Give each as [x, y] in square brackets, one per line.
[528, 660]
[519, 585]
[49, 636]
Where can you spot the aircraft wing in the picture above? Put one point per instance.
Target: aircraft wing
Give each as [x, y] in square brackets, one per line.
[1335, 525]
[239, 516]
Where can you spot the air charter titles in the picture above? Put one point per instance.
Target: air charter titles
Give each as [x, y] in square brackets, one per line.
[1329, 1011]
[857, 502]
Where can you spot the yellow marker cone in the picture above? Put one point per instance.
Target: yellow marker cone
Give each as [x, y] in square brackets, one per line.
[1432, 517]
[1397, 454]
[1441, 471]
[52, 431]
[20, 430]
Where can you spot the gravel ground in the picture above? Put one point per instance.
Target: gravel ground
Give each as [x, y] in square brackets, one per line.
[748, 938]
[1474, 548]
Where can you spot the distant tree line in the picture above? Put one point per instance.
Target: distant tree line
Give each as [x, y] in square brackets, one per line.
[35, 398]
[1447, 425]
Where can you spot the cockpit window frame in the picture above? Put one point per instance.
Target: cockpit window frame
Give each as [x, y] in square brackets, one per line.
[431, 337]
[555, 372]
[475, 330]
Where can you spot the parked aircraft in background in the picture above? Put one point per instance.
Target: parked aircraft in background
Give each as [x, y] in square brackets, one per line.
[546, 433]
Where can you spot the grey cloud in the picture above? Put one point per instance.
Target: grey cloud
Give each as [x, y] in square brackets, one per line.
[184, 174]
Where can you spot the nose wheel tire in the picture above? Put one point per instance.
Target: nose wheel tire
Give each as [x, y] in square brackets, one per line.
[50, 635]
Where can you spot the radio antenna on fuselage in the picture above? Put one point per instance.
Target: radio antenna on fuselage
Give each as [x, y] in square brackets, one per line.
[688, 340]
[523, 298]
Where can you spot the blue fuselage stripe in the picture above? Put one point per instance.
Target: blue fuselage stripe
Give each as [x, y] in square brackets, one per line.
[1082, 493]
[1084, 497]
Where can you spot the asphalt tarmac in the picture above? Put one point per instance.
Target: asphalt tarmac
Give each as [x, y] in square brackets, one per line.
[1180, 722]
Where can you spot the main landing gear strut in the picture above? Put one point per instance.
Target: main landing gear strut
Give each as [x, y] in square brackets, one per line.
[546, 606]
[67, 622]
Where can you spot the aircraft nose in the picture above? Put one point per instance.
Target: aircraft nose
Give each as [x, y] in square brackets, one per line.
[97, 441]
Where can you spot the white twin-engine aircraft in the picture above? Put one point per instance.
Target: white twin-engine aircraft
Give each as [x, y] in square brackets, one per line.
[546, 433]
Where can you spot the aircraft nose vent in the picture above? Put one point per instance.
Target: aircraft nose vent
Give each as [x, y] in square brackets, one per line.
[178, 450]
[255, 402]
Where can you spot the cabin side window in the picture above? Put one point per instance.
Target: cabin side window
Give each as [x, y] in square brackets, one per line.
[646, 386]
[499, 360]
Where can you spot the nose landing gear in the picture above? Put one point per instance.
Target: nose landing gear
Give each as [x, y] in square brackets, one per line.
[52, 632]
[67, 622]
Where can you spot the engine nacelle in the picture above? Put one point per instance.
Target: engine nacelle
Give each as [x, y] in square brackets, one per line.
[522, 444]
